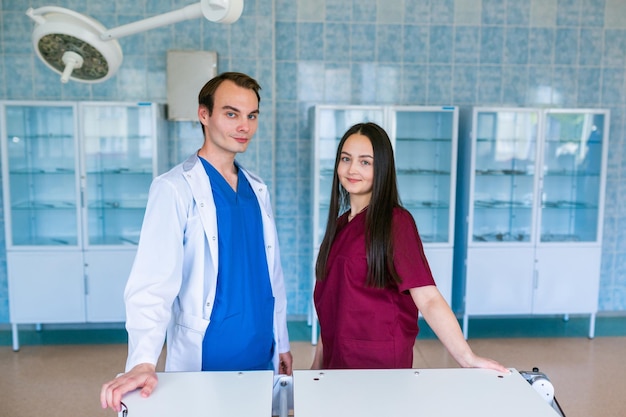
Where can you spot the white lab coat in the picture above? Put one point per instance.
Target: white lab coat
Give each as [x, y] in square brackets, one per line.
[171, 287]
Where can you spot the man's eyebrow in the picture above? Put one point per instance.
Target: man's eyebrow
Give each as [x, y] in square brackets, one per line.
[235, 109]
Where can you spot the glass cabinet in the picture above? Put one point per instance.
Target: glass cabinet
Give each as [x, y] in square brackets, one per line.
[504, 175]
[572, 177]
[425, 151]
[119, 164]
[425, 147]
[75, 183]
[41, 165]
[533, 203]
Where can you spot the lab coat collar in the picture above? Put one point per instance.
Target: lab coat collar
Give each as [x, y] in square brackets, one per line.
[257, 182]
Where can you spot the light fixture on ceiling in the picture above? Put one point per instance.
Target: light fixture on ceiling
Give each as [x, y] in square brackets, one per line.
[82, 49]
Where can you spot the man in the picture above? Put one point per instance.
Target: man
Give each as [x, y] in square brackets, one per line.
[207, 270]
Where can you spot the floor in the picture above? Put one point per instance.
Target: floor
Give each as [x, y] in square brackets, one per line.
[63, 379]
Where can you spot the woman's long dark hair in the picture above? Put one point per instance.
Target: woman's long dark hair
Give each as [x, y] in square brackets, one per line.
[378, 221]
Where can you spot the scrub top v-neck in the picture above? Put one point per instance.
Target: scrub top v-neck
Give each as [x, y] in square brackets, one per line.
[240, 333]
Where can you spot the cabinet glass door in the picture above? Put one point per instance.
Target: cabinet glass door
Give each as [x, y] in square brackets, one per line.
[505, 153]
[41, 165]
[331, 125]
[118, 149]
[572, 168]
[424, 150]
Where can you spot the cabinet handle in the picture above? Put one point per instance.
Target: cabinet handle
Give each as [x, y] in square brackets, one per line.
[536, 280]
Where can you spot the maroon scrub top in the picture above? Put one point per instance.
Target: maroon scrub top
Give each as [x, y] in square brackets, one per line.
[364, 327]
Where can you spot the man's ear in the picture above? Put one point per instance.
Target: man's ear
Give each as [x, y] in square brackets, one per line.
[203, 114]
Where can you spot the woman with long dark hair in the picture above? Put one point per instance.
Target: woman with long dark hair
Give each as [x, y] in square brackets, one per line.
[372, 273]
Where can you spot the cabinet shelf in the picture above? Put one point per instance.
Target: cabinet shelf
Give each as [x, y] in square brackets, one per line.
[118, 205]
[428, 238]
[502, 140]
[571, 173]
[116, 240]
[503, 172]
[575, 141]
[560, 238]
[426, 205]
[53, 171]
[419, 171]
[502, 237]
[501, 204]
[116, 138]
[45, 241]
[568, 205]
[48, 205]
[422, 139]
[121, 171]
[34, 137]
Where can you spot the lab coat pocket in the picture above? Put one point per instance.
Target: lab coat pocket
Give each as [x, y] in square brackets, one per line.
[191, 323]
[184, 346]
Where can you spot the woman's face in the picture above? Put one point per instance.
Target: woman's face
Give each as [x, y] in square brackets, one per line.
[356, 166]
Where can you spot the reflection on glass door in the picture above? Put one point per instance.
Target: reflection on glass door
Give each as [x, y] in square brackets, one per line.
[118, 148]
[571, 176]
[504, 175]
[424, 146]
[41, 163]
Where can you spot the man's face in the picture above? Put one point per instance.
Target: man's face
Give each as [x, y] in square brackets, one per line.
[234, 121]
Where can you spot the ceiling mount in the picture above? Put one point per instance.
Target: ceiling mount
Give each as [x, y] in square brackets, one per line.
[82, 49]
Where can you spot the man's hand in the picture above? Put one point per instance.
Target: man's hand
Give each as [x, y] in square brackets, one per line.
[141, 376]
[285, 365]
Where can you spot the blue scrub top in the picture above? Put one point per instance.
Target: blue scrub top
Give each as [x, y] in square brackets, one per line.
[240, 334]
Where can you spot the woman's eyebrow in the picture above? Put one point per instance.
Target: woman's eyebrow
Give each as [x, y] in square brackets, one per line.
[360, 156]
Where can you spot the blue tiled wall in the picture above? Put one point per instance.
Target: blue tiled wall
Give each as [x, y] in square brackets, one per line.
[560, 53]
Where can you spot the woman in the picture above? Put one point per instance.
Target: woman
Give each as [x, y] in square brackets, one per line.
[372, 274]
